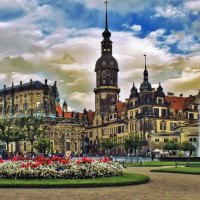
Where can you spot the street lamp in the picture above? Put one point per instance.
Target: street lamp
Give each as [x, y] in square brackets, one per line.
[84, 142]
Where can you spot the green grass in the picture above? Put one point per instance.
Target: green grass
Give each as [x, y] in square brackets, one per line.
[126, 179]
[182, 170]
[159, 164]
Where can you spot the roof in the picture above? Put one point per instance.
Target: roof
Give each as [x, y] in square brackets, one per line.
[177, 103]
[34, 83]
[59, 110]
[68, 115]
[25, 86]
[121, 107]
[90, 115]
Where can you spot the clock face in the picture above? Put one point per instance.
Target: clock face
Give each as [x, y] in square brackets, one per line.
[103, 95]
[103, 63]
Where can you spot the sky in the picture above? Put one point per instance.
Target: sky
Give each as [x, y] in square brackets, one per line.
[61, 40]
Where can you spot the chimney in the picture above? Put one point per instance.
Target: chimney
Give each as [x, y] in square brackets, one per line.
[181, 95]
[31, 81]
[45, 81]
[20, 83]
[4, 87]
[170, 94]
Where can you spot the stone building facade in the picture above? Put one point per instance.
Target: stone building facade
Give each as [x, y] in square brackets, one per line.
[150, 113]
[26, 98]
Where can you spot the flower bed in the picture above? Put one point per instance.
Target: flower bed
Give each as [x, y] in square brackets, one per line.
[59, 168]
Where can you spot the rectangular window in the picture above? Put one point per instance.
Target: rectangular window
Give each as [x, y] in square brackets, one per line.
[160, 101]
[172, 125]
[175, 140]
[191, 116]
[165, 140]
[164, 112]
[119, 129]
[136, 102]
[156, 112]
[156, 140]
[162, 125]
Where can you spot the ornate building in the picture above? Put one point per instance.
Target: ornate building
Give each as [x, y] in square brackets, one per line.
[26, 98]
[149, 113]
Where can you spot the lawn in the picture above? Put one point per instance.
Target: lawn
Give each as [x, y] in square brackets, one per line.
[160, 164]
[126, 179]
[182, 170]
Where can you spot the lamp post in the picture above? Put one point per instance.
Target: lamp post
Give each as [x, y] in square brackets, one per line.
[84, 143]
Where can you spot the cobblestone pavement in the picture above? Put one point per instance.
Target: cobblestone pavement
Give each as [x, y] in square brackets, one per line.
[163, 186]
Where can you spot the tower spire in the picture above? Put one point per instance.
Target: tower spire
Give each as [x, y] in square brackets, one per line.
[106, 24]
[145, 69]
[106, 33]
[145, 61]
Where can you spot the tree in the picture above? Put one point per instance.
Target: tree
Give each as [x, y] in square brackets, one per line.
[171, 145]
[108, 144]
[9, 132]
[43, 144]
[187, 146]
[33, 127]
[132, 143]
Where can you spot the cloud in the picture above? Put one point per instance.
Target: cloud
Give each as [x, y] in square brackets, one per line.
[169, 11]
[84, 100]
[46, 42]
[192, 5]
[135, 27]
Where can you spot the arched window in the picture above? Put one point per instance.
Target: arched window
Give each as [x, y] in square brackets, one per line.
[26, 106]
[17, 107]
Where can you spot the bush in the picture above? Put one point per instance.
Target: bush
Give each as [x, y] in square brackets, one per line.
[181, 153]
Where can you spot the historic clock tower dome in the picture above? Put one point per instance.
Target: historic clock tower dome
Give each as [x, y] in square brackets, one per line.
[106, 91]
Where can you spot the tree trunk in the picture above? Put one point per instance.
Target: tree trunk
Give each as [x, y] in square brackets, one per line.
[7, 143]
[31, 147]
[17, 147]
[44, 150]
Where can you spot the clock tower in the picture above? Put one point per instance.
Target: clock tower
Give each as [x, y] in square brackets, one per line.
[106, 91]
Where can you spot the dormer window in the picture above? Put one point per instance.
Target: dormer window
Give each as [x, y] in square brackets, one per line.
[136, 102]
[160, 100]
[112, 108]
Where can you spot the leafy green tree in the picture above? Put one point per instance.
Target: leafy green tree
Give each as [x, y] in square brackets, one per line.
[187, 146]
[33, 127]
[43, 145]
[132, 143]
[108, 144]
[9, 132]
[171, 145]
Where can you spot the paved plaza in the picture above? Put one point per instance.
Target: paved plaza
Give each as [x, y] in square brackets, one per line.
[163, 186]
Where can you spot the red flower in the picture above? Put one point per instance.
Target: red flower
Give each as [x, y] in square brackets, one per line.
[79, 162]
[105, 159]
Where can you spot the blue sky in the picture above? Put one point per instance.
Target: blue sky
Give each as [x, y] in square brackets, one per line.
[60, 40]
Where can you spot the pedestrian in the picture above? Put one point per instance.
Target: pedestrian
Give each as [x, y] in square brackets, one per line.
[152, 156]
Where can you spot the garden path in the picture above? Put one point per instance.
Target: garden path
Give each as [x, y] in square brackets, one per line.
[163, 186]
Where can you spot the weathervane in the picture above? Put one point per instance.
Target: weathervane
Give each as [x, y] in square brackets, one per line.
[106, 3]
